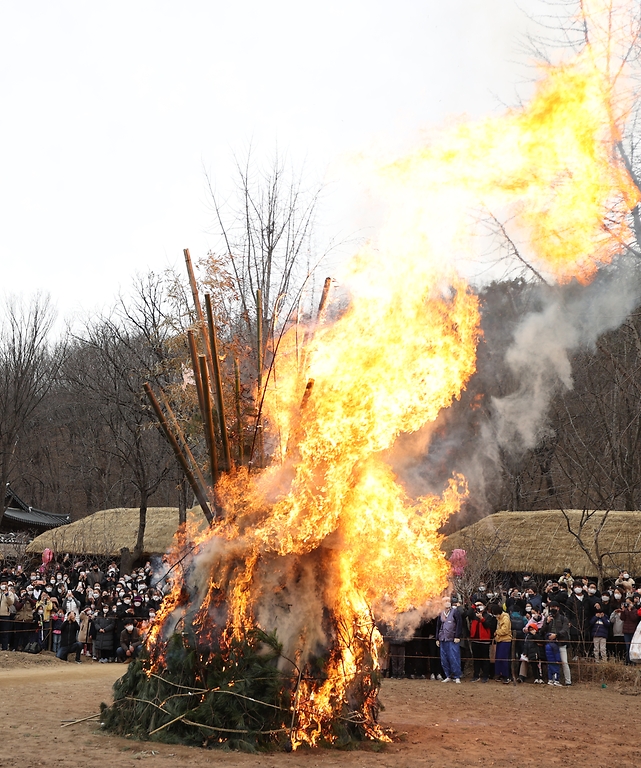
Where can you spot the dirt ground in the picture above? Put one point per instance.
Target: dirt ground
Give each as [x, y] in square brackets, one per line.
[445, 725]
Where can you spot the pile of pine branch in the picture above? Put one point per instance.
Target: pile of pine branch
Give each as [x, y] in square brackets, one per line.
[232, 696]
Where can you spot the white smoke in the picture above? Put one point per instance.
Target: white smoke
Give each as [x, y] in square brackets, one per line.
[573, 316]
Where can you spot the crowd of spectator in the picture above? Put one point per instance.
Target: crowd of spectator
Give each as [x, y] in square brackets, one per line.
[76, 609]
[526, 631]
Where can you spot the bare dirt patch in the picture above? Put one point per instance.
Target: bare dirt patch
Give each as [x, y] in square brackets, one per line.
[470, 724]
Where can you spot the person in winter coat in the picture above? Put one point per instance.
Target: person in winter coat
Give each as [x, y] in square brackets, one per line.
[556, 629]
[130, 643]
[533, 652]
[83, 634]
[103, 643]
[69, 639]
[503, 640]
[482, 626]
[449, 627]
[57, 620]
[23, 626]
[7, 612]
[579, 613]
[599, 626]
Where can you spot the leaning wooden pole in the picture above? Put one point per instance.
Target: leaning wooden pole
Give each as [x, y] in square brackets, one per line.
[208, 418]
[198, 491]
[173, 422]
[213, 343]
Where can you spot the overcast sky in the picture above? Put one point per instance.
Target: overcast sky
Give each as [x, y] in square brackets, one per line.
[113, 112]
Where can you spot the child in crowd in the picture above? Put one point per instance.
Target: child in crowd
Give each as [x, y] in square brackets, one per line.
[57, 620]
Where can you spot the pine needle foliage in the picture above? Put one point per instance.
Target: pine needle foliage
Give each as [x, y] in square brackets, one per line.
[232, 696]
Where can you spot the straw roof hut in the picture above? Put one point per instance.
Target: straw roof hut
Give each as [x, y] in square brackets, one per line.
[540, 542]
[106, 532]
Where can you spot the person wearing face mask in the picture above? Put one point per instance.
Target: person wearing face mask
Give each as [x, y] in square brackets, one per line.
[526, 581]
[556, 629]
[617, 646]
[533, 599]
[579, 613]
[599, 625]
[104, 625]
[606, 603]
[617, 598]
[482, 626]
[533, 652]
[503, 641]
[69, 639]
[7, 613]
[625, 582]
[631, 616]
[594, 597]
[46, 603]
[449, 628]
[84, 635]
[130, 643]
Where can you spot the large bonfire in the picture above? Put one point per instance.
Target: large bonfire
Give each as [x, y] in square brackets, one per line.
[270, 633]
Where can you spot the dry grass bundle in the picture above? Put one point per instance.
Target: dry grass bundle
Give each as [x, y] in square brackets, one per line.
[106, 532]
[609, 672]
[540, 541]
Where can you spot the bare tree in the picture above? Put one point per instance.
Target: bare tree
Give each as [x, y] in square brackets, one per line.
[259, 275]
[117, 354]
[29, 364]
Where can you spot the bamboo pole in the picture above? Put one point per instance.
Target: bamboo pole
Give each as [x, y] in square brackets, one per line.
[182, 440]
[198, 491]
[208, 418]
[239, 423]
[193, 352]
[259, 367]
[259, 340]
[80, 720]
[213, 343]
[199, 313]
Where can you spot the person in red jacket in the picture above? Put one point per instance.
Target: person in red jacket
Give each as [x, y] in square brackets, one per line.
[482, 627]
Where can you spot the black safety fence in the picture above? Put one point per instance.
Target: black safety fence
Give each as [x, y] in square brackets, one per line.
[420, 658]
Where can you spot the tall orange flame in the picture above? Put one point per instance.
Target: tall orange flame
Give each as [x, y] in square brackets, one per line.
[329, 529]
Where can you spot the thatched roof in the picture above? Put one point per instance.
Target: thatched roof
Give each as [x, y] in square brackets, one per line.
[106, 532]
[540, 542]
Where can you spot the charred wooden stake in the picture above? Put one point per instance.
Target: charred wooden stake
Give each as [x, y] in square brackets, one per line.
[239, 422]
[324, 296]
[259, 363]
[198, 491]
[296, 433]
[193, 352]
[199, 313]
[213, 343]
[208, 418]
